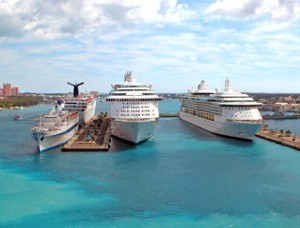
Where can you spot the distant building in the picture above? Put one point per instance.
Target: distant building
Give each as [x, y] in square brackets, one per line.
[15, 91]
[6, 89]
[264, 101]
[281, 106]
[94, 93]
[286, 99]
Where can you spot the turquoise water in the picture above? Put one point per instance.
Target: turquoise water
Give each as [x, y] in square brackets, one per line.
[185, 177]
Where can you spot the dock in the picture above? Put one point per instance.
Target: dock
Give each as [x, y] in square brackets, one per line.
[95, 136]
[274, 117]
[168, 115]
[284, 139]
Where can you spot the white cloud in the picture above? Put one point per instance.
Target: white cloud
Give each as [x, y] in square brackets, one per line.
[58, 18]
[104, 38]
[277, 10]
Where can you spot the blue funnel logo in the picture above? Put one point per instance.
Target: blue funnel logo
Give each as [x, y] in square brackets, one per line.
[76, 89]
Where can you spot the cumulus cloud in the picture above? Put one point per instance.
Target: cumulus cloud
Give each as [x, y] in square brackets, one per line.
[58, 18]
[277, 10]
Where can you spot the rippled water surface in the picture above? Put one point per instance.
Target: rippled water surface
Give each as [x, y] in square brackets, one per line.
[185, 176]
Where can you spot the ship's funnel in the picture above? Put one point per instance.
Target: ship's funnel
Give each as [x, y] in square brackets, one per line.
[76, 89]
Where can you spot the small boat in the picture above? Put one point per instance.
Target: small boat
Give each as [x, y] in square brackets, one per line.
[18, 117]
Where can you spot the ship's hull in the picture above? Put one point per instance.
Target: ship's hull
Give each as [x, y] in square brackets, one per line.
[240, 130]
[134, 132]
[86, 115]
[47, 141]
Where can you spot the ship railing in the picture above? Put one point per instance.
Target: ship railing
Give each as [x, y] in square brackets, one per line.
[41, 129]
[247, 121]
[48, 124]
[135, 119]
[37, 128]
[47, 119]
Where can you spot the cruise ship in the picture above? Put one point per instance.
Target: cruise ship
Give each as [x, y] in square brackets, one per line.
[228, 113]
[133, 110]
[55, 128]
[84, 105]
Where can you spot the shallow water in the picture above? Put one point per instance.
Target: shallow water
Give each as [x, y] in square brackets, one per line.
[183, 177]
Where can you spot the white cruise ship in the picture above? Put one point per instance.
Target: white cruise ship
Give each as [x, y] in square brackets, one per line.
[133, 110]
[55, 128]
[85, 105]
[228, 113]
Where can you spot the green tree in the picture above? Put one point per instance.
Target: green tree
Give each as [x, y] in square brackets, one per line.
[281, 132]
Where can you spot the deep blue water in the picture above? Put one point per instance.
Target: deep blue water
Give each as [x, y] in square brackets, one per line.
[185, 177]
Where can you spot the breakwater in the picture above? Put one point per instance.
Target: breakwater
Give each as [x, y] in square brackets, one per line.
[168, 115]
[278, 137]
[274, 117]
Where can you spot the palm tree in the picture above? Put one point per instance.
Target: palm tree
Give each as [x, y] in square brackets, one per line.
[281, 132]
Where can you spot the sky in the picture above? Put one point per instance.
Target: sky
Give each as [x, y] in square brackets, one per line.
[172, 44]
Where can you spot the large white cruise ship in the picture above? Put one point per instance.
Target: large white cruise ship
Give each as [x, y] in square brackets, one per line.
[133, 110]
[55, 128]
[228, 113]
[85, 105]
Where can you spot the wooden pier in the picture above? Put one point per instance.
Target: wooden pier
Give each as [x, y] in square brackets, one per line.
[284, 139]
[95, 136]
[168, 115]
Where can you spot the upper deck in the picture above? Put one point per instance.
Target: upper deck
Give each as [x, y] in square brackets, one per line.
[226, 98]
[129, 90]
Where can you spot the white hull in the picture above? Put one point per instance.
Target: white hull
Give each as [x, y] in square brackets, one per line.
[48, 141]
[134, 132]
[85, 108]
[223, 127]
[86, 115]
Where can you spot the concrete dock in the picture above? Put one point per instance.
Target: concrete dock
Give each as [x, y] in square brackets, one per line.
[168, 115]
[279, 138]
[95, 136]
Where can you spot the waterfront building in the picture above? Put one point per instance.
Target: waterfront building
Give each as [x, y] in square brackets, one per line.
[94, 93]
[15, 91]
[6, 89]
